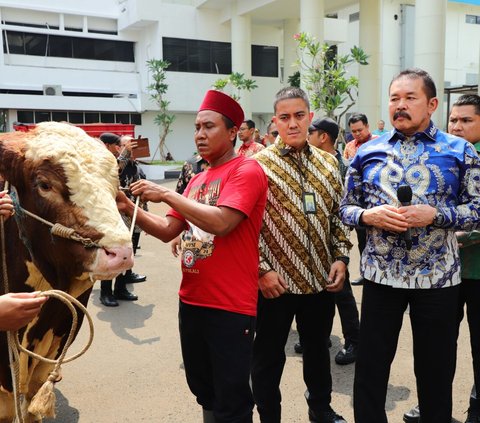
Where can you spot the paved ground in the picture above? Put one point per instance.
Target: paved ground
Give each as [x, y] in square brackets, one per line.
[133, 371]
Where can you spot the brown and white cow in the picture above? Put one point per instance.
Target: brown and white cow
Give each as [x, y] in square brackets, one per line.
[64, 176]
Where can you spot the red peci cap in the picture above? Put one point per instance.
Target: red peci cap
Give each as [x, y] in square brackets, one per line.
[223, 104]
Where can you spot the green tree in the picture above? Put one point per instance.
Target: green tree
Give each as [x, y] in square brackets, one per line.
[237, 82]
[157, 90]
[326, 78]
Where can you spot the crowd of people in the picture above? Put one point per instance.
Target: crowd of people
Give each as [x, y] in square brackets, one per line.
[287, 203]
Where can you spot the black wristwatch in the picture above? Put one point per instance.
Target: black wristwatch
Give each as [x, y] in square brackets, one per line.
[439, 219]
[345, 259]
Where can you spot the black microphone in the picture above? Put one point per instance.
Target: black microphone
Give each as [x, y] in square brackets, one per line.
[404, 195]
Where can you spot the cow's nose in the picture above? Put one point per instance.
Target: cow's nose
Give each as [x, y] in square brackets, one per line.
[119, 259]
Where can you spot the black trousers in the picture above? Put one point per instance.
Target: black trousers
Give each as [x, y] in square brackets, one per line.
[217, 354]
[470, 296]
[433, 318]
[314, 315]
[348, 311]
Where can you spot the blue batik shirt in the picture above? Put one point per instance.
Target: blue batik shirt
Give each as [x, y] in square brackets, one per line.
[444, 172]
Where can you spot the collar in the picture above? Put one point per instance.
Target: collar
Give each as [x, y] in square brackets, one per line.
[286, 149]
[430, 133]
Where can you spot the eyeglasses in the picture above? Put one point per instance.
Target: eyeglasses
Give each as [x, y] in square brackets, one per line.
[274, 134]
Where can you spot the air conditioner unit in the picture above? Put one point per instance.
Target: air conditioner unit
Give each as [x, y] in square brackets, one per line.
[52, 90]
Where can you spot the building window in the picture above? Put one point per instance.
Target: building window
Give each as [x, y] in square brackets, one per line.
[197, 56]
[15, 42]
[42, 117]
[472, 19]
[29, 117]
[265, 61]
[354, 17]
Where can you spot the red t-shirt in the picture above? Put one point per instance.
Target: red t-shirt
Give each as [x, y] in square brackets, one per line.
[222, 272]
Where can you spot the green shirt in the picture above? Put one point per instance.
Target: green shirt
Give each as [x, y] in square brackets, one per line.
[470, 250]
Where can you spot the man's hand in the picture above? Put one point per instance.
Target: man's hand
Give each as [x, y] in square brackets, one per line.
[175, 245]
[149, 191]
[272, 285]
[17, 309]
[6, 205]
[418, 215]
[385, 217]
[124, 204]
[336, 277]
[130, 145]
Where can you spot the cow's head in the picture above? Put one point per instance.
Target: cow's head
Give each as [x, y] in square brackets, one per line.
[64, 176]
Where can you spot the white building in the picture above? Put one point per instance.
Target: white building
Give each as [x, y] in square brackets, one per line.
[86, 61]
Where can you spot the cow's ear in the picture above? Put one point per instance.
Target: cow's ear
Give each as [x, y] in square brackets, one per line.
[12, 157]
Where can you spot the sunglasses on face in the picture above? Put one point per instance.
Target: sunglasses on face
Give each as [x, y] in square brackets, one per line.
[274, 134]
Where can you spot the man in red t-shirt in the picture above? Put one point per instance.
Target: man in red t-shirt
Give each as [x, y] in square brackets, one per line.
[221, 212]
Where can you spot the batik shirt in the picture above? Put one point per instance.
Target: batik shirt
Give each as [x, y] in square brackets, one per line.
[470, 250]
[443, 172]
[249, 149]
[301, 246]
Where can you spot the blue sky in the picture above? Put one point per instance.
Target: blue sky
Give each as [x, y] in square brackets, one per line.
[474, 2]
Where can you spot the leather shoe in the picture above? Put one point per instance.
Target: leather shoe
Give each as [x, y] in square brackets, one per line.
[357, 282]
[473, 416]
[412, 416]
[325, 417]
[125, 295]
[107, 299]
[347, 355]
[135, 278]
[298, 348]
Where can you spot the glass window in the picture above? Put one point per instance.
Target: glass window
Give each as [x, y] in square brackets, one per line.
[42, 117]
[264, 61]
[175, 52]
[15, 42]
[25, 116]
[35, 44]
[92, 117]
[354, 17]
[470, 19]
[60, 116]
[107, 117]
[63, 46]
[136, 118]
[60, 46]
[75, 117]
[197, 56]
[122, 118]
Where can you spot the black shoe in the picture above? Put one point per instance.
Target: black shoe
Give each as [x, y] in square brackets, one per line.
[473, 416]
[412, 416]
[357, 282]
[347, 355]
[298, 348]
[125, 295]
[135, 278]
[325, 417]
[107, 299]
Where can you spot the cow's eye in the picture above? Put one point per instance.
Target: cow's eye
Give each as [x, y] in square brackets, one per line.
[43, 185]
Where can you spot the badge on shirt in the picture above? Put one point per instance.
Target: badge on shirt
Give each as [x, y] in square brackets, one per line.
[309, 203]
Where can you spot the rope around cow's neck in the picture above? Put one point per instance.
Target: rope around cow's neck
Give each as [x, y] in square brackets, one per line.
[43, 403]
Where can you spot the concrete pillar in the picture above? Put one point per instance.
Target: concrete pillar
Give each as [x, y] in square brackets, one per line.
[290, 28]
[430, 28]
[370, 76]
[312, 14]
[242, 54]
